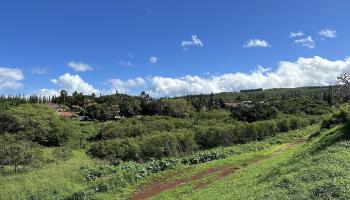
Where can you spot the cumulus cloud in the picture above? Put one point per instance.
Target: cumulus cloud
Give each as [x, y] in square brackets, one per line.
[39, 70]
[47, 92]
[306, 42]
[124, 86]
[296, 34]
[79, 66]
[10, 78]
[328, 33]
[311, 71]
[153, 60]
[303, 72]
[256, 43]
[195, 42]
[73, 83]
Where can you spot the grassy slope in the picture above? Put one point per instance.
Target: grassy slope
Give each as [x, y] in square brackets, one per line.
[61, 178]
[315, 170]
[278, 176]
[275, 144]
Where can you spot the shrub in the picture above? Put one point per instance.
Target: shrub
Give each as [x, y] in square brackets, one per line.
[37, 123]
[254, 112]
[117, 149]
[81, 195]
[158, 145]
[283, 125]
[17, 153]
[336, 118]
[62, 153]
[166, 144]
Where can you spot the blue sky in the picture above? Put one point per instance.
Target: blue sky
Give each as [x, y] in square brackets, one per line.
[170, 47]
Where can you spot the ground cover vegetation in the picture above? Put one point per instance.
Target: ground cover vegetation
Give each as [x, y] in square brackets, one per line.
[121, 141]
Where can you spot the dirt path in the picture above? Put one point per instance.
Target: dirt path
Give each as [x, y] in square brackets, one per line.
[218, 172]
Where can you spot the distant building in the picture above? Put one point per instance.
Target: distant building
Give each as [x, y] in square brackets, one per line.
[64, 112]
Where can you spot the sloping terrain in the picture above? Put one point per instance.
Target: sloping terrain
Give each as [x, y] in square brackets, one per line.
[316, 169]
[204, 177]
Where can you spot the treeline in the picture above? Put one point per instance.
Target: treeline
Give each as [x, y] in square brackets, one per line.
[111, 107]
[21, 99]
[319, 93]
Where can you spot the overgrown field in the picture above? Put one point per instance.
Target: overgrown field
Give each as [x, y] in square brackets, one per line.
[317, 169]
[189, 151]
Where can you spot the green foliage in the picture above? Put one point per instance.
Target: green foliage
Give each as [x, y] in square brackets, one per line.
[36, 123]
[133, 127]
[16, 153]
[224, 135]
[254, 112]
[158, 145]
[336, 118]
[166, 144]
[175, 107]
[302, 105]
[62, 153]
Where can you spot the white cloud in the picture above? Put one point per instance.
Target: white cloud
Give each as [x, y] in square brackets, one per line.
[256, 43]
[303, 72]
[153, 60]
[10, 78]
[126, 63]
[124, 86]
[47, 92]
[306, 42]
[130, 55]
[328, 33]
[195, 42]
[311, 71]
[39, 70]
[79, 66]
[73, 83]
[296, 34]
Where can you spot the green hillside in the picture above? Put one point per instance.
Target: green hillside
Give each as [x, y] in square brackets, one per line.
[275, 148]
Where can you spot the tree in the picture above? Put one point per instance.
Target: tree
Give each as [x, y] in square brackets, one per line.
[16, 153]
[63, 96]
[343, 89]
[37, 123]
[175, 107]
[254, 112]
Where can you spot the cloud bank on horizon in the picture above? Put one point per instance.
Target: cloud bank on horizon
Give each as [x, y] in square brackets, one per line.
[311, 71]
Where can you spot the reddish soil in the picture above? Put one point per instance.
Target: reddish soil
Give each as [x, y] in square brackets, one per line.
[160, 186]
[168, 182]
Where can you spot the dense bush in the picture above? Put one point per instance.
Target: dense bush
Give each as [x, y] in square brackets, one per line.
[336, 118]
[36, 123]
[166, 144]
[62, 153]
[116, 149]
[16, 153]
[302, 105]
[175, 107]
[223, 135]
[157, 145]
[133, 127]
[254, 112]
